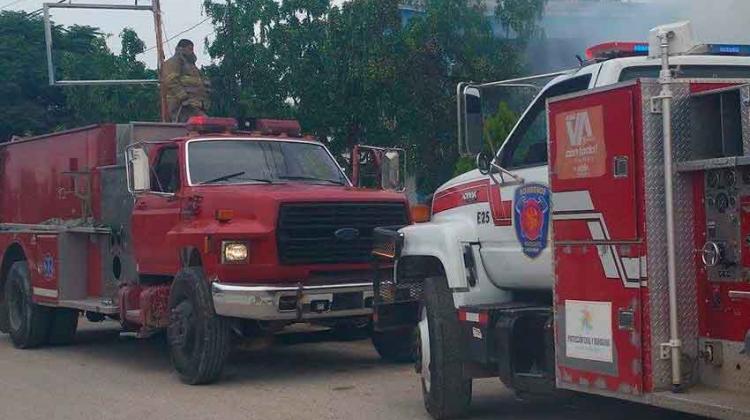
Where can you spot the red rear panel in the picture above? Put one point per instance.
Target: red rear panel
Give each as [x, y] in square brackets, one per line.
[597, 231]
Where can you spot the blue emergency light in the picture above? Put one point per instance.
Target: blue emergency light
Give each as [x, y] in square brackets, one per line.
[729, 49]
[609, 50]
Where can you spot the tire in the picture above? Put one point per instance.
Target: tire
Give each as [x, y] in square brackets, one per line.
[63, 326]
[28, 323]
[199, 340]
[445, 390]
[395, 346]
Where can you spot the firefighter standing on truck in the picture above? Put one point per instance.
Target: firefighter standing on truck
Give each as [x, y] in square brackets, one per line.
[187, 91]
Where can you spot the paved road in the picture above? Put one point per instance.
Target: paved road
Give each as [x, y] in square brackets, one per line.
[303, 376]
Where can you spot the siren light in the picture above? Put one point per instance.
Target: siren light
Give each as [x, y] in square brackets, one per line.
[609, 50]
[205, 124]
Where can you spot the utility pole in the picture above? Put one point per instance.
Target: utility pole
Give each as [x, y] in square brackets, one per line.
[160, 60]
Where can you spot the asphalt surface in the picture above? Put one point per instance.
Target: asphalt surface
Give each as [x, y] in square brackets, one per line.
[106, 375]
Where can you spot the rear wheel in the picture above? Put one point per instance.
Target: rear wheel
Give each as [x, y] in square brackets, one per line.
[28, 323]
[63, 326]
[199, 340]
[395, 346]
[446, 392]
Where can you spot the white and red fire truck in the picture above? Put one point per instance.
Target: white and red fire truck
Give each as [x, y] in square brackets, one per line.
[570, 261]
[200, 230]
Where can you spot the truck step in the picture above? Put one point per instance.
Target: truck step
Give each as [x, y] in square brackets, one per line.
[706, 401]
[98, 305]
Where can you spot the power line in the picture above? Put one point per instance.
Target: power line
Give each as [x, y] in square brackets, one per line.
[13, 3]
[40, 10]
[179, 33]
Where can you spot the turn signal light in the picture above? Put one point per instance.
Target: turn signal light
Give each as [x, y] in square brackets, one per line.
[224, 215]
[420, 213]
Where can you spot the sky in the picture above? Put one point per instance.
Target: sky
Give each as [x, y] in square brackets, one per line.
[180, 15]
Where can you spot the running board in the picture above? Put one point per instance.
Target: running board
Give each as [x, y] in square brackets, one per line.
[98, 305]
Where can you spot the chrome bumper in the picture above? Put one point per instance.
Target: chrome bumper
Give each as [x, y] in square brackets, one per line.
[292, 303]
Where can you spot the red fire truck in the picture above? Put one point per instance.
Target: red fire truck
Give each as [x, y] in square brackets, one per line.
[610, 256]
[200, 230]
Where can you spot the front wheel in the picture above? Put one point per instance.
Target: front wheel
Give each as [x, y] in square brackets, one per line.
[199, 339]
[445, 389]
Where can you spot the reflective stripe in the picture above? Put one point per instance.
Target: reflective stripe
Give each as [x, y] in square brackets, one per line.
[49, 293]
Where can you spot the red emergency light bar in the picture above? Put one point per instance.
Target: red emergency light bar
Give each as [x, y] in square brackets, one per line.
[205, 124]
[289, 128]
[609, 50]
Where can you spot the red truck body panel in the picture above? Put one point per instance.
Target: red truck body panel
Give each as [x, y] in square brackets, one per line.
[610, 291]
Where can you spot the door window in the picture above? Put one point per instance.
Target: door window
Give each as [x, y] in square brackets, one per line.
[166, 174]
[527, 145]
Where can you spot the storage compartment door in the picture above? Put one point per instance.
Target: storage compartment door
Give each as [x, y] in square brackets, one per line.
[598, 255]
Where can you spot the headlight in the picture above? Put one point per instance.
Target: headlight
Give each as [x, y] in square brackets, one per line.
[234, 252]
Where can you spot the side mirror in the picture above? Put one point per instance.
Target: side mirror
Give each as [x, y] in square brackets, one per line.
[484, 162]
[139, 175]
[470, 123]
[379, 168]
[390, 171]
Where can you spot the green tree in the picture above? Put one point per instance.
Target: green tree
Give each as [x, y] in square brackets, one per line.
[521, 17]
[498, 126]
[28, 103]
[32, 106]
[356, 73]
[85, 55]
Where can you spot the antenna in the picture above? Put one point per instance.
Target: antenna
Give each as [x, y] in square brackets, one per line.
[154, 8]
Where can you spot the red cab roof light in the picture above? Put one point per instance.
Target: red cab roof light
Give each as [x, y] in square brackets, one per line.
[290, 128]
[205, 124]
[609, 50]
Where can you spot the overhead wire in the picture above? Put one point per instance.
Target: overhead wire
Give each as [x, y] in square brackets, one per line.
[180, 33]
[12, 3]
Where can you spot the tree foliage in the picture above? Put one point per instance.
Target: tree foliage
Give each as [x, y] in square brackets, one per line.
[32, 106]
[355, 73]
[358, 73]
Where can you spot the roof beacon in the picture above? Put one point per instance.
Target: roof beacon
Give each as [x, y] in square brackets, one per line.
[203, 124]
[610, 50]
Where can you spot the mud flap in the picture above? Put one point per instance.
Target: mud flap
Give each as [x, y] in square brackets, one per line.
[4, 326]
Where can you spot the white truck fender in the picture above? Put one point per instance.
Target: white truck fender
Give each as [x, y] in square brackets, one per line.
[444, 241]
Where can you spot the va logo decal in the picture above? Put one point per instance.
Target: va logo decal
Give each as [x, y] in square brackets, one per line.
[531, 212]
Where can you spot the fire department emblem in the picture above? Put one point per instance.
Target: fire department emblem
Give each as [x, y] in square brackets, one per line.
[531, 210]
[48, 266]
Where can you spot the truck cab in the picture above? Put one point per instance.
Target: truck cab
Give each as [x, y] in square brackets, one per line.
[487, 242]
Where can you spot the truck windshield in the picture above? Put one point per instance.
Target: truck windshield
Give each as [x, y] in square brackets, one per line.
[259, 161]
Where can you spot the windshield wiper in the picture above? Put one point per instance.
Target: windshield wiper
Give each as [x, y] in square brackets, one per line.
[234, 175]
[310, 178]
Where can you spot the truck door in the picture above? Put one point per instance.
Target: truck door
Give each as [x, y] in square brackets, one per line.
[515, 246]
[156, 213]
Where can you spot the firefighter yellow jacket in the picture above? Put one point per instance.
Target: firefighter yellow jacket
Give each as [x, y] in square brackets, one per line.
[185, 85]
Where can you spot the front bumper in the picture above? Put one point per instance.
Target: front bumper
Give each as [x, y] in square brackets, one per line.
[292, 302]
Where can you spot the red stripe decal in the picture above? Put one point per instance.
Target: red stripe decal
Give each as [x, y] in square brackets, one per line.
[472, 193]
[461, 195]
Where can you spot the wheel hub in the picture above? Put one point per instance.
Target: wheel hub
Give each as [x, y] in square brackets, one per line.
[423, 350]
